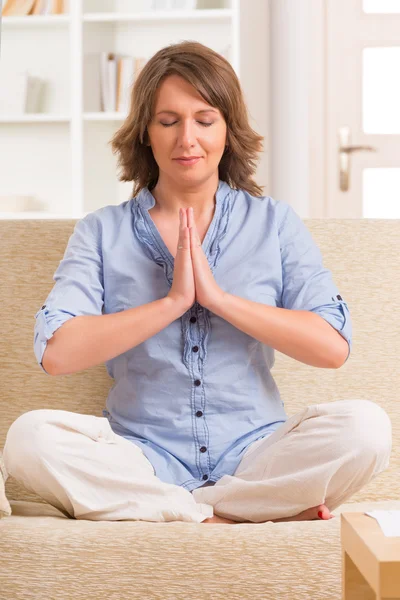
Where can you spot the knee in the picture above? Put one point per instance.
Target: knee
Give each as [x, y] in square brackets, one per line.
[25, 427]
[370, 428]
[22, 438]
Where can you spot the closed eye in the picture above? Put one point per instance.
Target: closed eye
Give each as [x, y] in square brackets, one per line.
[200, 123]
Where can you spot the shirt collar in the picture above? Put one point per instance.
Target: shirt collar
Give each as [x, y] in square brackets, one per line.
[146, 199]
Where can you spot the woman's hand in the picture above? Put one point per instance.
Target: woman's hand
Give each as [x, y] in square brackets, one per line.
[193, 279]
[182, 289]
[208, 293]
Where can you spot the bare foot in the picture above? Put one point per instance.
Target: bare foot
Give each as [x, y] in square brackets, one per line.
[311, 514]
[216, 519]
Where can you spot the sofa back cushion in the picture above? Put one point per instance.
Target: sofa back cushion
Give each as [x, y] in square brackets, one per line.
[363, 256]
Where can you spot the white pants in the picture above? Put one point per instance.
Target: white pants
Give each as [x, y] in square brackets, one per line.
[321, 455]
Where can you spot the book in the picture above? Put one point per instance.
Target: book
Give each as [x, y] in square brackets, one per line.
[13, 8]
[48, 7]
[40, 7]
[112, 82]
[117, 75]
[125, 78]
[57, 7]
[105, 100]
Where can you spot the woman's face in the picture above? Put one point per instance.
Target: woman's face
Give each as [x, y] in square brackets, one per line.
[185, 131]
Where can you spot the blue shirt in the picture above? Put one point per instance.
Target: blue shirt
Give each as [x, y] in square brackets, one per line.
[198, 393]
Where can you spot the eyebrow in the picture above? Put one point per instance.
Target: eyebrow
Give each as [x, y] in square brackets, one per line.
[172, 112]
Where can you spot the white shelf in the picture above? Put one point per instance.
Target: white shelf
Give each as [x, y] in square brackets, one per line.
[157, 15]
[34, 20]
[35, 118]
[35, 215]
[62, 156]
[48, 118]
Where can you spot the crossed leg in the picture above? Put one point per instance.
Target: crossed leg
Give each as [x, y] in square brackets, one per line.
[313, 463]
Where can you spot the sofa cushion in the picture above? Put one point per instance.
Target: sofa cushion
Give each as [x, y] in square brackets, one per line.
[84, 559]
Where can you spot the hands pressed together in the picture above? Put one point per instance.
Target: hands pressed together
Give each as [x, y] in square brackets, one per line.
[193, 279]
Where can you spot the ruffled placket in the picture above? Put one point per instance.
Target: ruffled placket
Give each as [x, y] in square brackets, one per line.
[153, 245]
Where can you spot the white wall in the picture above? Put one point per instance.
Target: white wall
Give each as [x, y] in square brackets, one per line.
[290, 103]
[255, 76]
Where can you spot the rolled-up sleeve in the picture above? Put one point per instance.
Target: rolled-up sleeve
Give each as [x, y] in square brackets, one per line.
[307, 284]
[78, 288]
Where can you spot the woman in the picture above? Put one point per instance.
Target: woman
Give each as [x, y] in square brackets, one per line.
[184, 291]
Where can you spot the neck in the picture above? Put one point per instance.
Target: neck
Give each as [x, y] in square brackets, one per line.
[171, 196]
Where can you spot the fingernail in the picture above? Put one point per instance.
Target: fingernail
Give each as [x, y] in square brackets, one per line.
[320, 514]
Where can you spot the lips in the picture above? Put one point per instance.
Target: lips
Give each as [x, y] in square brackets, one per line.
[188, 161]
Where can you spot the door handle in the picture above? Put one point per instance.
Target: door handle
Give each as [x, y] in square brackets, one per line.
[345, 151]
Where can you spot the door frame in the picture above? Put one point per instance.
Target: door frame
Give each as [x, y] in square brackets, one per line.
[298, 126]
[318, 123]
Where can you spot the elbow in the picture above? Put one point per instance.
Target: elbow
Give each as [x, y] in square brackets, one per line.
[46, 369]
[337, 365]
[343, 354]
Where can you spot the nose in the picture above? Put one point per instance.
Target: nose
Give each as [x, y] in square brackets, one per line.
[187, 134]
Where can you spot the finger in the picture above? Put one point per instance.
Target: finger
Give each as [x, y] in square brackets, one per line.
[182, 212]
[194, 239]
[189, 216]
[193, 233]
[183, 240]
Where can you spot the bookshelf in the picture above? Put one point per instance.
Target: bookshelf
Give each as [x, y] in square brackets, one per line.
[61, 157]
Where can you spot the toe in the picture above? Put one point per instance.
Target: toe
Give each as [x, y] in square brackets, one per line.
[323, 512]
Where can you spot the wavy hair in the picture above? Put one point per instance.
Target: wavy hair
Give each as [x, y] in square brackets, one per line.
[216, 81]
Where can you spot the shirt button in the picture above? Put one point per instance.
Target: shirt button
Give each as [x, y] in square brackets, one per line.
[205, 476]
[193, 319]
[203, 449]
[195, 348]
[197, 382]
[199, 413]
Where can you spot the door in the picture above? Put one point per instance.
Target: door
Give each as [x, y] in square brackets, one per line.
[363, 109]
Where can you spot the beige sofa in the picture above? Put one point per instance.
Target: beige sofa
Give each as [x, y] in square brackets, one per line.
[45, 555]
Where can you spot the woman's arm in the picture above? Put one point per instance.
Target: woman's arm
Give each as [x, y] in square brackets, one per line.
[86, 341]
[302, 335]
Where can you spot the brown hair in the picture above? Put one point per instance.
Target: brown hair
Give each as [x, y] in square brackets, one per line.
[216, 81]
